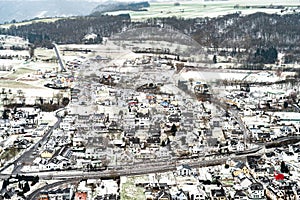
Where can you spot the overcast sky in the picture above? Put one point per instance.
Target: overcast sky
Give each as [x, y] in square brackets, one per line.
[240, 1]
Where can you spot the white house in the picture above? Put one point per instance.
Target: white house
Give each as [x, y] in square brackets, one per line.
[184, 170]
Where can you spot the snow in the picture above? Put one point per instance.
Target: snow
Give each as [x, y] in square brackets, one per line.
[195, 8]
[9, 169]
[211, 75]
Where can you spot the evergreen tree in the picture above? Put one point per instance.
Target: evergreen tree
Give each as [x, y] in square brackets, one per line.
[283, 167]
[5, 184]
[26, 187]
[173, 129]
[215, 59]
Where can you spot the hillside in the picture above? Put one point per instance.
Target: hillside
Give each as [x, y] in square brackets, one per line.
[118, 6]
[16, 10]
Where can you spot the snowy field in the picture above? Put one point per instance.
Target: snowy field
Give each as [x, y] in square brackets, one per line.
[192, 9]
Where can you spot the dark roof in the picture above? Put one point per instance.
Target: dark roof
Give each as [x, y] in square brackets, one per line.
[240, 193]
[186, 166]
[256, 186]
[153, 140]
[212, 141]
[135, 140]
[217, 193]
[240, 165]
[164, 194]
[174, 118]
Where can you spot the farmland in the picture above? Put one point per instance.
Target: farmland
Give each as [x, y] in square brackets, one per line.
[193, 9]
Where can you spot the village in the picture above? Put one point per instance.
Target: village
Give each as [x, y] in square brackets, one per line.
[98, 113]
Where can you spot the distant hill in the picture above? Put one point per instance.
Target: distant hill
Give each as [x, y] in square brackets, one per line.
[118, 6]
[16, 10]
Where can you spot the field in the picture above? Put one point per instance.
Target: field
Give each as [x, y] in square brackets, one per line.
[192, 9]
[46, 20]
[129, 191]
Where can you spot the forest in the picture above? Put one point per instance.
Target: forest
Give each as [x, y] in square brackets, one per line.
[68, 30]
[257, 34]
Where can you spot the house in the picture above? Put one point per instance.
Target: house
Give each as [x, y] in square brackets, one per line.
[143, 122]
[149, 195]
[288, 156]
[197, 194]
[289, 193]
[43, 196]
[218, 194]
[184, 170]
[66, 126]
[144, 154]
[181, 195]
[48, 153]
[40, 131]
[105, 189]
[95, 153]
[240, 195]
[163, 153]
[153, 142]
[241, 168]
[83, 118]
[279, 176]
[240, 146]
[99, 118]
[297, 196]
[21, 144]
[245, 183]
[64, 194]
[69, 119]
[275, 193]
[256, 191]
[163, 195]
[78, 141]
[80, 196]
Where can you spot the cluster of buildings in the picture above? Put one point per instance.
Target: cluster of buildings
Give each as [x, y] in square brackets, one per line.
[270, 176]
[84, 190]
[16, 130]
[268, 113]
[143, 112]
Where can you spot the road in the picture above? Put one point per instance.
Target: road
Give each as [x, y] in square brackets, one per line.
[25, 157]
[34, 194]
[224, 106]
[234, 114]
[62, 67]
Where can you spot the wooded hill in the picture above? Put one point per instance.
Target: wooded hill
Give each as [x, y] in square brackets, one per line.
[252, 32]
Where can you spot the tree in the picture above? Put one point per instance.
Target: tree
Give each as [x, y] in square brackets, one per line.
[266, 56]
[285, 105]
[283, 167]
[173, 129]
[5, 184]
[215, 59]
[20, 185]
[65, 101]
[26, 187]
[5, 114]
[31, 51]
[35, 180]
[191, 80]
